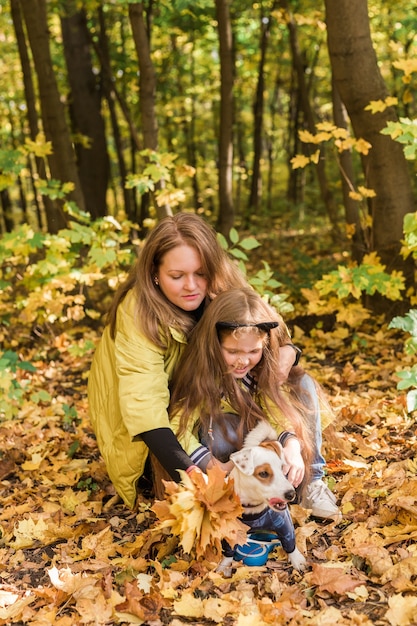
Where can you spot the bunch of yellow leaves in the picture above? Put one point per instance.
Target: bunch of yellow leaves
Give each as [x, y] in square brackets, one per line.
[201, 511]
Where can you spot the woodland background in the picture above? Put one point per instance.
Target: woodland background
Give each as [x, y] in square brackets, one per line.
[290, 126]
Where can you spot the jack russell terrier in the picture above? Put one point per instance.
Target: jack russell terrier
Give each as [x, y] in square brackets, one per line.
[264, 492]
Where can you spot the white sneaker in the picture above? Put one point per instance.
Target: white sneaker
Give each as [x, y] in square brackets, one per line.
[321, 501]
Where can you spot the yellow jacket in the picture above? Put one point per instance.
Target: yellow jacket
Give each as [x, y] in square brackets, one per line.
[128, 394]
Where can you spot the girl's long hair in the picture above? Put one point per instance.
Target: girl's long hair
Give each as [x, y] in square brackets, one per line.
[201, 379]
[153, 310]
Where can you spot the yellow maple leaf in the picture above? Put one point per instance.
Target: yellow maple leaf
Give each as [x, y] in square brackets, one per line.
[322, 136]
[376, 106]
[345, 143]
[27, 531]
[34, 463]
[408, 66]
[354, 195]
[71, 499]
[189, 606]
[353, 314]
[327, 127]
[362, 146]
[315, 157]
[299, 161]
[306, 137]
[402, 610]
[407, 97]
[365, 192]
[202, 510]
[40, 147]
[340, 133]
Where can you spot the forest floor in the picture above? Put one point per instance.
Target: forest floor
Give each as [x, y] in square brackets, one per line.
[71, 553]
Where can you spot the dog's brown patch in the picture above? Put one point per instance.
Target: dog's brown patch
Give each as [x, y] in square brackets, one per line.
[264, 473]
[272, 445]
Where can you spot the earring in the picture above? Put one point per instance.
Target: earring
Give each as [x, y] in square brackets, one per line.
[155, 280]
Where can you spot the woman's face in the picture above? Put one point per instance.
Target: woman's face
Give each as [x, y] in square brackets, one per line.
[181, 278]
[242, 352]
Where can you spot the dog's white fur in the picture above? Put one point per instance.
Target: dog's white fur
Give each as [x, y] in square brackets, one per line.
[259, 480]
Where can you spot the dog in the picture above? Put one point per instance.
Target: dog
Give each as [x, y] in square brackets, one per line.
[264, 492]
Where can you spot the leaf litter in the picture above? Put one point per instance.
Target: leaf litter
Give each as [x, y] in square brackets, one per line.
[71, 553]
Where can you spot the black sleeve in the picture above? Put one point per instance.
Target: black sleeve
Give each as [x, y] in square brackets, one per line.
[164, 445]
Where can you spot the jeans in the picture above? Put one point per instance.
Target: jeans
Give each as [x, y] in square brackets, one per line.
[310, 399]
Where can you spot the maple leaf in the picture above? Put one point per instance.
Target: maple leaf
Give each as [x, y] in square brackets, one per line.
[27, 531]
[406, 569]
[299, 161]
[202, 511]
[402, 610]
[40, 147]
[333, 579]
[377, 106]
[147, 606]
[189, 606]
[377, 556]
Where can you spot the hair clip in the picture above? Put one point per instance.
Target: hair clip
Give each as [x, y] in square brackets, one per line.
[264, 326]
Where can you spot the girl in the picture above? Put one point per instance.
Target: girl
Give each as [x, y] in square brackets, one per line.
[229, 378]
[179, 269]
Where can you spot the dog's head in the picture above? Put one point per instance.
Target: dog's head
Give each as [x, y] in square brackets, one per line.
[258, 476]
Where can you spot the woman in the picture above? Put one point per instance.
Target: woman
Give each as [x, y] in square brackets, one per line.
[228, 380]
[179, 269]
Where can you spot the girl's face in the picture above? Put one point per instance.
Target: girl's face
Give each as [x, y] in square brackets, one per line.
[181, 278]
[242, 351]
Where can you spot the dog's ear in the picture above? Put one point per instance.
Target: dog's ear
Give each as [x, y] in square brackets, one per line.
[243, 459]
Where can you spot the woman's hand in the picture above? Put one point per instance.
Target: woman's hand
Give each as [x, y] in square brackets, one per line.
[286, 361]
[294, 467]
[226, 467]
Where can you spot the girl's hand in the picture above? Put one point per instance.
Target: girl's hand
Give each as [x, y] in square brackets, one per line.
[294, 467]
[286, 361]
[226, 467]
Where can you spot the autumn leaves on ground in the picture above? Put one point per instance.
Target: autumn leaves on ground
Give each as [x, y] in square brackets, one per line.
[71, 553]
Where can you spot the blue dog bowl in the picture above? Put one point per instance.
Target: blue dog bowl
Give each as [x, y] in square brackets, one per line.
[256, 549]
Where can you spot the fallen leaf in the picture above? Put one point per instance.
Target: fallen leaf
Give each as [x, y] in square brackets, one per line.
[333, 579]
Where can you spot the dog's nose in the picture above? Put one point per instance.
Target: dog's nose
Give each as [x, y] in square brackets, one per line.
[290, 495]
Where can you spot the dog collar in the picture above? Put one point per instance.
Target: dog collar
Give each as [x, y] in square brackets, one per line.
[253, 516]
[251, 506]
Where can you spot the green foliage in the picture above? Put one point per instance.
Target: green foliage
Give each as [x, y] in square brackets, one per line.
[70, 416]
[160, 167]
[263, 281]
[408, 377]
[12, 391]
[408, 324]
[405, 132]
[369, 277]
[46, 278]
[88, 485]
[410, 235]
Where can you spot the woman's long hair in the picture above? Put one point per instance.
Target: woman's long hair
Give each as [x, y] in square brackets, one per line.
[201, 379]
[154, 311]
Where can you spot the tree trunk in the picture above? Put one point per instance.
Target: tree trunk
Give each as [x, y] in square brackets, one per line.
[44, 205]
[62, 162]
[85, 109]
[358, 80]
[102, 50]
[360, 245]
[298, 64]
[226, 216]
[258, 114]
[147, 88]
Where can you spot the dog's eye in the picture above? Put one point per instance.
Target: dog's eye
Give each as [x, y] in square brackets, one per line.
[264, 474]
